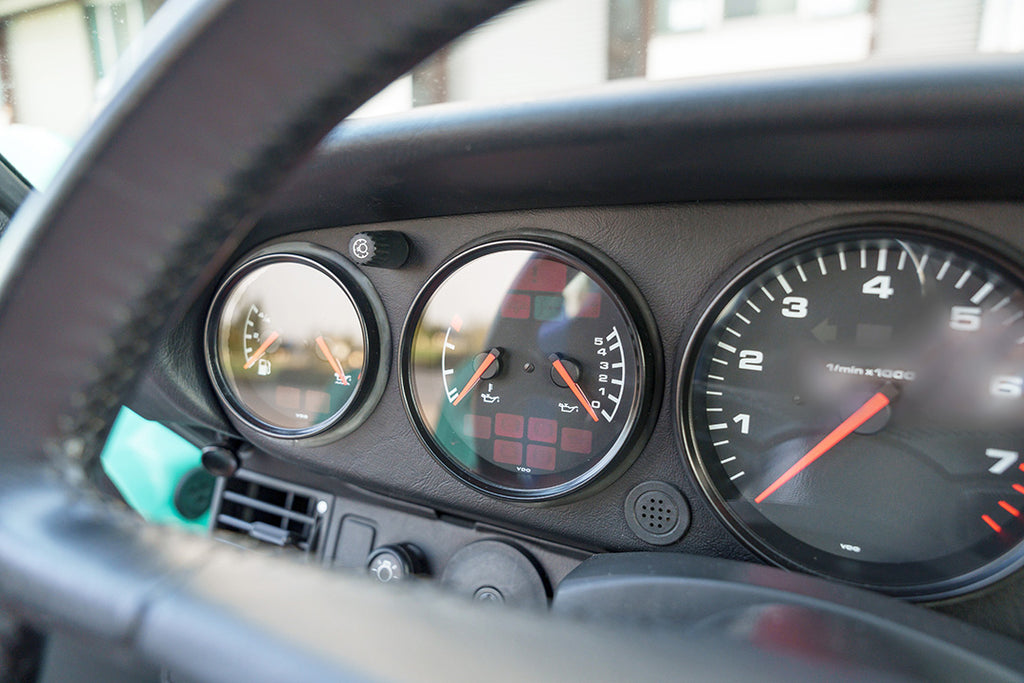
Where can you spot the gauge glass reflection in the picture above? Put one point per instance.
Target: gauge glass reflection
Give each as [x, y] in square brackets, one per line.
[856, 410]
[290, 345]
[525, 370]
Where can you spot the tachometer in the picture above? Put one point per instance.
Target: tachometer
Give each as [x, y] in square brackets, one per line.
[529, 367]
[853, 406]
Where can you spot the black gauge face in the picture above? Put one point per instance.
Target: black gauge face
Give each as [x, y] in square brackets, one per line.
[287, 345]
[855, 409]
[524, 371]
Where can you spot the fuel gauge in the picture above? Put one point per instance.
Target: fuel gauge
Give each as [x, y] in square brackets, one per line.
[293, 343]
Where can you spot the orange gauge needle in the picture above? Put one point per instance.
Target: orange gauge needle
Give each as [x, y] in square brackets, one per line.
[261, 350]
[492, 356]
[335, 365]
[849, 425]
[576, 390]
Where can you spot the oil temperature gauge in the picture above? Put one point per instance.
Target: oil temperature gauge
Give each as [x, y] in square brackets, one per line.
[294, 344]
[529, 367]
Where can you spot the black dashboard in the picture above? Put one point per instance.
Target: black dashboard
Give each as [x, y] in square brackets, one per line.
[682, 187]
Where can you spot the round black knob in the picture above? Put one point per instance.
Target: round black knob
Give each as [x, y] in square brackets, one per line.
[379, 248]
[392, 563]
[220, 460]
[194, 493]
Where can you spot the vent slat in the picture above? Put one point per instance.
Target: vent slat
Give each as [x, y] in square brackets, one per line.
[267, 507]
[270, 534]
[234, 523]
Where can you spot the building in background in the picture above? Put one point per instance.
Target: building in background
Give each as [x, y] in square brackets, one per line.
[550, 46]
[56, 57]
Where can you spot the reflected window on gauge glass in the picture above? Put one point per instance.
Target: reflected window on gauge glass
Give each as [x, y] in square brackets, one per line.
[549, 47]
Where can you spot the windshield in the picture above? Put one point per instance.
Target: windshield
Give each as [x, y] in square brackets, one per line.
[59, 61]
[547, 47]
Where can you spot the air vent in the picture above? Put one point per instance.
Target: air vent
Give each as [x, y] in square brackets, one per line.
[272, 511]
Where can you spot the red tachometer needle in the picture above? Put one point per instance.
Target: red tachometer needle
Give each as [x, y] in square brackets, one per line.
[492, 356]
[261, 350]
[576, 390]
[849, 425]
[335, 365]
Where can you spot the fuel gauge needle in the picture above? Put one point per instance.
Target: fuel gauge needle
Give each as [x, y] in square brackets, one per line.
[867, 411]
[492, 356]
[576, 390]
[261, 350]
[335, 365]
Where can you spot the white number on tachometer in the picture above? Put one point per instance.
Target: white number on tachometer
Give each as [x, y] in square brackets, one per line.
[880, 286]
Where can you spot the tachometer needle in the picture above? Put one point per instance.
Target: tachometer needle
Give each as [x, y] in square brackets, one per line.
[335, 365]
[492, 356]
[576, 390]
[261, 350]
[849, 425]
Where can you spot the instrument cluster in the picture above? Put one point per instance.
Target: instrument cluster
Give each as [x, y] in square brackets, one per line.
[849, 402]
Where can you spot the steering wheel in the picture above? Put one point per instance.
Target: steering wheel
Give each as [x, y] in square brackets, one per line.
[230, 97]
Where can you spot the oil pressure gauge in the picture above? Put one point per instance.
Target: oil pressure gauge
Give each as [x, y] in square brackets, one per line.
[295, 344]
[529, 367]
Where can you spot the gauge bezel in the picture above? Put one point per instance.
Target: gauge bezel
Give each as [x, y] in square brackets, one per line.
[650, 367]
[944, 234]
[373, 321]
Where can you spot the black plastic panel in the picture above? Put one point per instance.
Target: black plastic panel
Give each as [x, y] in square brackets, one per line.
[940, 131]
[675, 254]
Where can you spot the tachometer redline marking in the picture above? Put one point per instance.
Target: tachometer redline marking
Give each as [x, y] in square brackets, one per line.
[261, 350]
[992, 523]
[860, 416]
[1009, 508]
[1018, 488]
